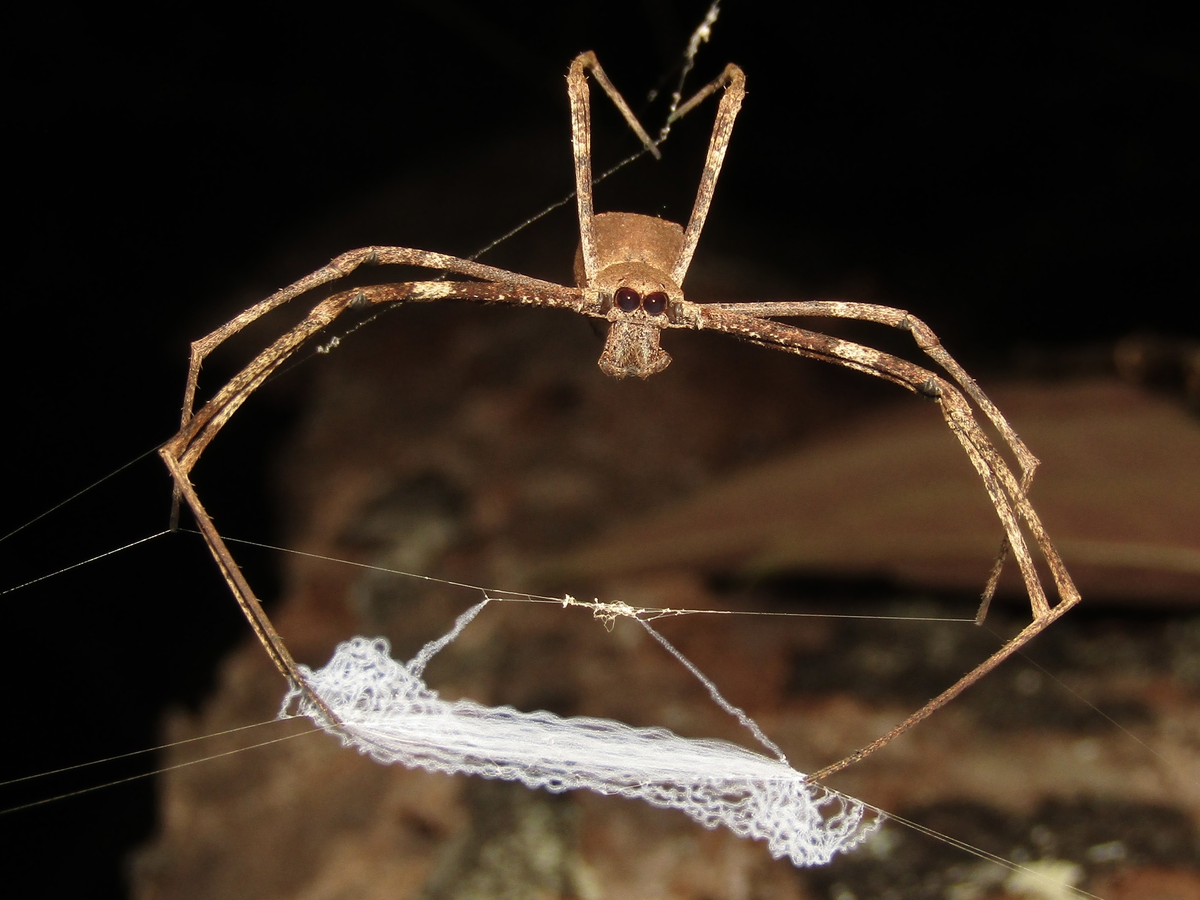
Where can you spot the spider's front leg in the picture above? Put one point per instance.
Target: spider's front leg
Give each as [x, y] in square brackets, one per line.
[931, 345]
[1006, 493]
[924, 338]
[336, 269]
[183, 451]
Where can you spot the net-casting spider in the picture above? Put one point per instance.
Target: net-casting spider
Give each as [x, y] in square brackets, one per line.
[630, 270]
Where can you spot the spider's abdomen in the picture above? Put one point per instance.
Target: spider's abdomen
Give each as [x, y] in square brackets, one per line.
[632, 237]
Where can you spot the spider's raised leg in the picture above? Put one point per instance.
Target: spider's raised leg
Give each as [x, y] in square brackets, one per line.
[734, 83]
[1004, 489]
[581, 144]
[731, 79]
[931, 345]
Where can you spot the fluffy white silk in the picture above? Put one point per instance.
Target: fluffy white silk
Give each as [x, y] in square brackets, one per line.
[388, 712]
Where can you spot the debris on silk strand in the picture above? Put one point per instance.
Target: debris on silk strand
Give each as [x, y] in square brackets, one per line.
[387, 712]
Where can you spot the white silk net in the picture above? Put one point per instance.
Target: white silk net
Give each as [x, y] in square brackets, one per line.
[386, 711]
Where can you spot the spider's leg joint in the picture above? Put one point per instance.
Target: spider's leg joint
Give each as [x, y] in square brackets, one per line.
[359, 301]
[372, 257]
[683, 314]
[931, 388]
[592, 304]
[924, 337]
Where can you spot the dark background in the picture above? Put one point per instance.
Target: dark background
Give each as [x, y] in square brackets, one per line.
[1019, 180]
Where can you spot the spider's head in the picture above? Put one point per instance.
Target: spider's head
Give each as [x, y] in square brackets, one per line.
[637, 300]
[634, 254]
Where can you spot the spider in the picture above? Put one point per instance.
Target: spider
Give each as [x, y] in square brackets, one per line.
[630, 269]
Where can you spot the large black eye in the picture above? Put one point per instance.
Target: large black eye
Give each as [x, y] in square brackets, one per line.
[655, 303]
[627, 299]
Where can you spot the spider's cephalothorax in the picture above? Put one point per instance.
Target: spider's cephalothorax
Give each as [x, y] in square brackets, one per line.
[635, 253]
[629, 267]
[630, 270]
